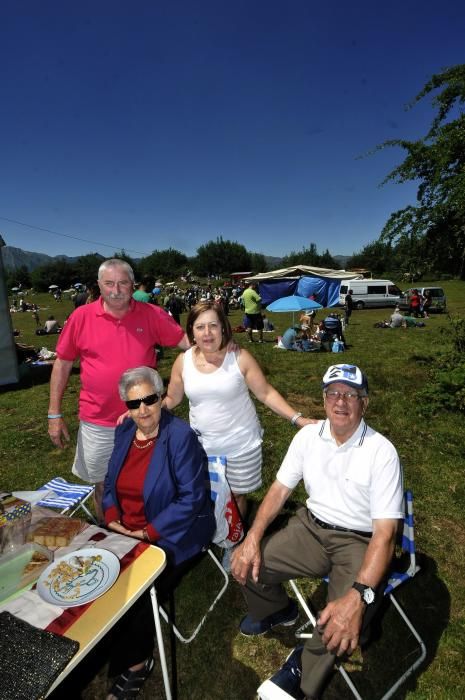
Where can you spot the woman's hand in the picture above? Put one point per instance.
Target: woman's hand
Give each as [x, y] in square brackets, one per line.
[117, 526]
[301, 421]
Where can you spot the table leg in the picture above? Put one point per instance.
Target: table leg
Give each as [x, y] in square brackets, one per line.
[161, 648]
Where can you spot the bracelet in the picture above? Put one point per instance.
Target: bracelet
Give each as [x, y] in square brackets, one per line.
[145, 535]
[55, 415]
[295, 418]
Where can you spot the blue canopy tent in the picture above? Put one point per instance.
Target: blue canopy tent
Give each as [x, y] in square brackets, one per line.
[303, 281]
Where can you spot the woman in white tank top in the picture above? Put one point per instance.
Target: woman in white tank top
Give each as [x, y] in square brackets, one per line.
[217, 382]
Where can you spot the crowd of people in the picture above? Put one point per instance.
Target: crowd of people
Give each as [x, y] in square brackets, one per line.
[150, 468]
[309, 336]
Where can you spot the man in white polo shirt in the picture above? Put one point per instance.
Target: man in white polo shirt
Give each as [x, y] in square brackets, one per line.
[346, 531]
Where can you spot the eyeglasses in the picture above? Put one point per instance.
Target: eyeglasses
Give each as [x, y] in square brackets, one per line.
[350, 396]
[133, 404]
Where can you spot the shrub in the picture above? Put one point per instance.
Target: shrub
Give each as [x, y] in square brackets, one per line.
[447, 387]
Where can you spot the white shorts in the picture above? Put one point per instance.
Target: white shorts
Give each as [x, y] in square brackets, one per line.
[93, 452]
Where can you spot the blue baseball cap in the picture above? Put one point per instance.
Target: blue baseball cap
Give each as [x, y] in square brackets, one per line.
[346, 374]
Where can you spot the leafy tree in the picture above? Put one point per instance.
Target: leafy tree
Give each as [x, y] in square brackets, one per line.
[434, 229]
[21, 276]
[258, 263]
[327, 260]
[377, 257]
[310, 256]
[166, 264]
[58, 272]
[87, 267]
[218, 257]
[122, 255]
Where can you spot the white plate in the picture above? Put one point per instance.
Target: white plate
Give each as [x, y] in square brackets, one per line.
[78, 577]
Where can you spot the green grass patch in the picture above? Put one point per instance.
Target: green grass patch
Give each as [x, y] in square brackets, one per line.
[405, 405]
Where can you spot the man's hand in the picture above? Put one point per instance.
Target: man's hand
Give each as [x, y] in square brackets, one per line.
[340, 622]
[123, 417]
[245, 557]
[58, 431]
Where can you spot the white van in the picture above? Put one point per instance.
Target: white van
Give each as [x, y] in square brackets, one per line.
[370, 293]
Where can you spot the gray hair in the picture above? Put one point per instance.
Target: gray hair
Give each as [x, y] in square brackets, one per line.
[139, 375]
[116, 262]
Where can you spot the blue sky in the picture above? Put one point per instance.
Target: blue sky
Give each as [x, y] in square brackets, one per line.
[151, 124]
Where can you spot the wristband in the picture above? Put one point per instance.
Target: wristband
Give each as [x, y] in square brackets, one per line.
[295, 418]
[54, 415]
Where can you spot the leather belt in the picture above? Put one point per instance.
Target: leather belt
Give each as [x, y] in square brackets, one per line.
[327, 526]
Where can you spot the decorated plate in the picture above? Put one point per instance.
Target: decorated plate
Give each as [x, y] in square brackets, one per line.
[78, 577]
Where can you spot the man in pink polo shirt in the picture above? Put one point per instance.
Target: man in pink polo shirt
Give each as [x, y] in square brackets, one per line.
[109, 336]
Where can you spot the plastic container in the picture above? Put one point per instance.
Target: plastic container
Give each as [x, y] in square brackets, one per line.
[19, 570]
[15, 518]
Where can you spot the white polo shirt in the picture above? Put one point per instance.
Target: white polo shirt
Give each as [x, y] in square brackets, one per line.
[348, 485]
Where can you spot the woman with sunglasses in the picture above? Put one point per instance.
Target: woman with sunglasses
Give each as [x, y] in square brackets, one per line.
[156, 491]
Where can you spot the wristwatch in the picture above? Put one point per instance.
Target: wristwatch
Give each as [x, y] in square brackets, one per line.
[367, 594]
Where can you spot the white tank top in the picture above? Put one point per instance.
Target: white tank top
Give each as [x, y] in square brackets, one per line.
[220, 408]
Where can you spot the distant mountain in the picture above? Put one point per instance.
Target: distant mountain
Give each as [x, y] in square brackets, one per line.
[273, 262]
[14, 258]
[342, 260]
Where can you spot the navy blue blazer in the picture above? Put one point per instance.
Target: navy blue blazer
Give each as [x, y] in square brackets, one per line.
[176, 490]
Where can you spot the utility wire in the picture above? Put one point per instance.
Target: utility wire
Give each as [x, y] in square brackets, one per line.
[65, 235]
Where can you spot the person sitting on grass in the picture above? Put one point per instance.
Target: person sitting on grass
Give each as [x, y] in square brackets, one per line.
[267, 325]
[346, 530]
[51, 325]
[411, 322]
[289, 338]
[397, 319]
[156, 490]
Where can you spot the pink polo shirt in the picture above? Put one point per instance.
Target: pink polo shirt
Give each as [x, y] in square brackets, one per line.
[107, 347]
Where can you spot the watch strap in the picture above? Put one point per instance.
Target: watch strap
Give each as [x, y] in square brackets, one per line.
[367, 594]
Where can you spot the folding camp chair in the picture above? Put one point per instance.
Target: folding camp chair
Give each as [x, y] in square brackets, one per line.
[67, 497]
[407, 545]
[169, 618]
[175, 632]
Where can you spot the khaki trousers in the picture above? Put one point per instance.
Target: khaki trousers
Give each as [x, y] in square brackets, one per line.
[304, 549]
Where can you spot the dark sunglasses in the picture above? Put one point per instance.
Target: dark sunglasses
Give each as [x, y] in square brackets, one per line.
[147, 400]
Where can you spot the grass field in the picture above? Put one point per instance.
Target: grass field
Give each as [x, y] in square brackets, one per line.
[221, 663]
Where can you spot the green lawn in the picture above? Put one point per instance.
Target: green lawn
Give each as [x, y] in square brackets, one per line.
[221, 663]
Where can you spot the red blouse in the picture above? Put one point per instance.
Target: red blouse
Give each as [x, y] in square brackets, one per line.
[130, 486]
